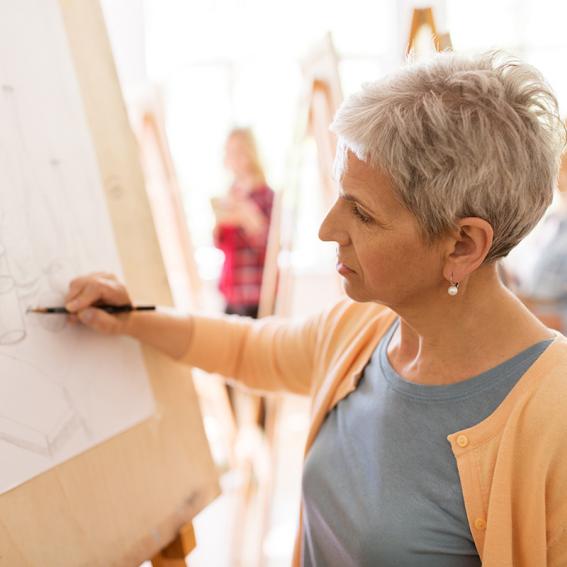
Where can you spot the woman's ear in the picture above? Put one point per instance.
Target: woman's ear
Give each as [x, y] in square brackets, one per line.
[469, 245]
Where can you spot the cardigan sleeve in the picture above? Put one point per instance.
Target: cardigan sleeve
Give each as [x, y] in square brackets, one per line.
[270, 354]
[548, 429]
[555, 425]
[557, 550]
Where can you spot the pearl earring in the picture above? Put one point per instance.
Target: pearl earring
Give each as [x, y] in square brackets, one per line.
[453, 288]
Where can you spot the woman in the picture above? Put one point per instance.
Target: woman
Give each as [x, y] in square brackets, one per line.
[242, 223]
[438, 428]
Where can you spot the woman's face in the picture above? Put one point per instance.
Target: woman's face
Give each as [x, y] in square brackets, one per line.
[381, 253]
[237, 156]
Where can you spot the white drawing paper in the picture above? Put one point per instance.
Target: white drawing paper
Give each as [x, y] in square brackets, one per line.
[63, 389]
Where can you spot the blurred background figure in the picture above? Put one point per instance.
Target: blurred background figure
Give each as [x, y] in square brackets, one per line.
[539, 278]
[242, 221]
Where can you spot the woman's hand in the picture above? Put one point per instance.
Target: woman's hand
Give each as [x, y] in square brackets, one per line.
[169, 333]
[87, 291]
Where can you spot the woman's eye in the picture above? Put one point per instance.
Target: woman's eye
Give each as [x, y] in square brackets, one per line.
[363, 218]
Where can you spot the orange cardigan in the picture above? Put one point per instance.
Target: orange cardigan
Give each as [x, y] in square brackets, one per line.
[512, 465]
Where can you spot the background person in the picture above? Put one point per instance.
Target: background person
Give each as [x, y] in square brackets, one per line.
[242, 225]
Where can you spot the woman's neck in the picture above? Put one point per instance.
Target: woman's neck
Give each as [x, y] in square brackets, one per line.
[455, 338]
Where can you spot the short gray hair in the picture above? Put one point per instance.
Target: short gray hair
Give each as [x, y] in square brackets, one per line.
[460, 136]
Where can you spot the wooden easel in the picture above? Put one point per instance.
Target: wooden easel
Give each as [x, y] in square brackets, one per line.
[175, 553]
[133, 497]
[321, 97]
[90, 69]
[146, 116]
[168, 211]
[164, 192]
[422, 19]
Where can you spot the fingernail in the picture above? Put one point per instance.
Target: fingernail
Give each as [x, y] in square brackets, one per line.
[72, 305]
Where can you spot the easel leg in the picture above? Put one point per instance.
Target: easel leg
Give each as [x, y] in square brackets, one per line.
[175, 553]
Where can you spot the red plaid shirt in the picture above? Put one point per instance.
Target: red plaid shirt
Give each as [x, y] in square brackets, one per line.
[244, 255]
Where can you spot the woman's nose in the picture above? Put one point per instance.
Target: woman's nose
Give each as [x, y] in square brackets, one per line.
[332, 230]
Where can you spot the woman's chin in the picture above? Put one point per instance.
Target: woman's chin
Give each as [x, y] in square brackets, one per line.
[354, 291]
[360, 294]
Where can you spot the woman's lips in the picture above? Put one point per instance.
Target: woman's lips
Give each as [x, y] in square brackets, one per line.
[343, 269]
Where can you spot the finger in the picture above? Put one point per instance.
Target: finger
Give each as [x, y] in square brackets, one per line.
[88, 294]
[99, 291]
[75, 288]
[72, 319]
[99, 321]
[77, 285]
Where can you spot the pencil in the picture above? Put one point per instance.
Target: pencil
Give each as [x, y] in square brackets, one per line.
[107, 308]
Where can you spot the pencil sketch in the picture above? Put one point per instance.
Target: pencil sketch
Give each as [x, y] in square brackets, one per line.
[37, 262]
[12, 329]
[43, 432]
[63, 389]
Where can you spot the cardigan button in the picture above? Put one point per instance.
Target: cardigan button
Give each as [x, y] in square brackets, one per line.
[462, 441]
[480, 524]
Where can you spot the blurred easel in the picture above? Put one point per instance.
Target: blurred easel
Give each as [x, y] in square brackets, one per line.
[166, 202]
[164, 193]
[423, 31]
[321, 97]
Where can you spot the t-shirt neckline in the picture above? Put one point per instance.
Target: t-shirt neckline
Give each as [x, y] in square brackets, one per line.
[458, 390]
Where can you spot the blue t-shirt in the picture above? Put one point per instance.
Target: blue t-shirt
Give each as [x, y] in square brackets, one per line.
[380, 483]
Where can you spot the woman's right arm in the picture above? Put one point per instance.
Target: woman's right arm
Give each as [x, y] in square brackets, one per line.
[270, 354]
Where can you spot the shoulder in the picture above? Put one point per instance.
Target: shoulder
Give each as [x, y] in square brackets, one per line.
[542, 410]
[552, 368]
[551, 372]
